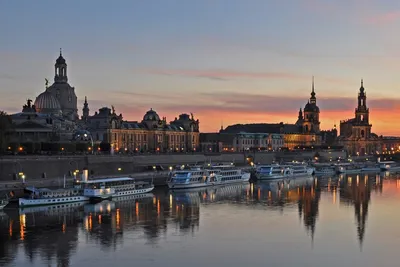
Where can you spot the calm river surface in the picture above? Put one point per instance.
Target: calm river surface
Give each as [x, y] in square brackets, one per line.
[349, 220]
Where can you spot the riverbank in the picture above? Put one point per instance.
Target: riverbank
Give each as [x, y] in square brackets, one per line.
[40, 169]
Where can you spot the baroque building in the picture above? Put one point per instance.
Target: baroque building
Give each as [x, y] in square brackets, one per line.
[355, 134]
[151, 134]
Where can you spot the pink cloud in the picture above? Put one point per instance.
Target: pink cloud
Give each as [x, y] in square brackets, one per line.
[385, 18]
[226, 74]
[233, 74]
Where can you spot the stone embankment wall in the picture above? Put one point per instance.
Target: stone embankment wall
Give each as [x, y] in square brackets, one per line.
[50, 167]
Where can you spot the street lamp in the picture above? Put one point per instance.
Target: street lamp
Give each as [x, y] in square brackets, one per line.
[91, 140]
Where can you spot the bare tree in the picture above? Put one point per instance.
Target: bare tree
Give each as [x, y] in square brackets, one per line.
[5, 128]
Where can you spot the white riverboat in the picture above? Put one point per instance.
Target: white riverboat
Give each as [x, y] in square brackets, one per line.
[44, 196]
[389, 166]
[211, 176]
[325, 171]
[348, 168]
[371, 168]
[113, 187]
[85, 190]
[276, 171]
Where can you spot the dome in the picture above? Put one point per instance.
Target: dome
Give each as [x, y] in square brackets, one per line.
[47, 103]
[60, 60]
[151, 115]
[311, 108]
[184, 117]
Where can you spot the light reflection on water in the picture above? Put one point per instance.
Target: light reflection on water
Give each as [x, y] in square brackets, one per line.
[330, 221]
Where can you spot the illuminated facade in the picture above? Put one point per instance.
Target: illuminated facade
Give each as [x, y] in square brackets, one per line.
[151, 134]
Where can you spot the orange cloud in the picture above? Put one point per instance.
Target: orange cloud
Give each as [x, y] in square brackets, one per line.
[385, 18]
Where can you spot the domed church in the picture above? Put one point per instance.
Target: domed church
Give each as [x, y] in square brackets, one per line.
[59, 94]
[52, 121]
[53, 117]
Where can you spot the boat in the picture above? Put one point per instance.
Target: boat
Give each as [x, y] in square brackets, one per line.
[108, 188]
[348, 168]
[212, 175]
[375, 168]
[389, 166]
[44, 196]
[276, 171]
[325, 171]
[85, 190]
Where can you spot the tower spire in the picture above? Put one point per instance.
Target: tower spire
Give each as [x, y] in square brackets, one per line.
[60, 52]
[313, 84]
[313, 99]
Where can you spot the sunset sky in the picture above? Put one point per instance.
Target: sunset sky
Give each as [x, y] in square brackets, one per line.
[226, 61]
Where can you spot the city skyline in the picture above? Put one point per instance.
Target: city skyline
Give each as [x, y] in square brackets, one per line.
[251, 61]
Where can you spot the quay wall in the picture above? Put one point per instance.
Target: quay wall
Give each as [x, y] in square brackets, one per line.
[51, 167]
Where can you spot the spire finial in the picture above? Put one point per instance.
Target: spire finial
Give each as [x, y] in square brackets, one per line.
[313, 83]
[85, 100]
[362, 82]
[60, 52]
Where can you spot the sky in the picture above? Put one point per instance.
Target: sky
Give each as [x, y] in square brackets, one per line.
[225, 61]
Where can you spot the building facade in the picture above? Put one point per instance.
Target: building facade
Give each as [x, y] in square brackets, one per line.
[152, 134]
[240, 142]
[355, 134]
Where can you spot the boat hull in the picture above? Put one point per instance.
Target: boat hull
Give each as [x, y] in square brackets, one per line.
[277, 177]
[26, 202]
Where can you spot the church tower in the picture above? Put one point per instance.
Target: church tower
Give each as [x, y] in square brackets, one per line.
[60, 69]
[85, 110]
[362, 126]
[62, 91]
[311, 114]
[362, 112]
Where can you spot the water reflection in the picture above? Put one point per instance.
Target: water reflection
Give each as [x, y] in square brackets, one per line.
[51, 235]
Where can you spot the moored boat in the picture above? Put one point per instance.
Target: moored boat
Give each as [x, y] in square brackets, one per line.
[276, 171]
[44, 196]
[211, 176]
[113, 187]
[325, 171]
[389, 166]
[348, 168]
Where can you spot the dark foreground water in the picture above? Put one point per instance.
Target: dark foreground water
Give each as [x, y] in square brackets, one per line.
[329, 221]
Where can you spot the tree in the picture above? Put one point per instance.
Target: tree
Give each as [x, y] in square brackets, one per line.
[5, 128]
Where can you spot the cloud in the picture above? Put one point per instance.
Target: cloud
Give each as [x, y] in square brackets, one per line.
[224, 75]
[5, 76]
[385, 18]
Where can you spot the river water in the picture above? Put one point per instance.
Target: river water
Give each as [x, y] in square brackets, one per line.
[327, 221]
